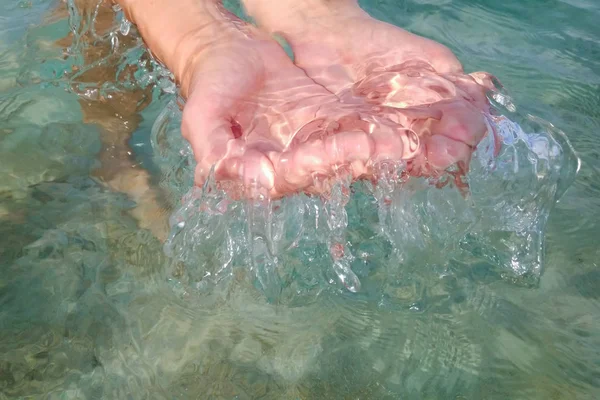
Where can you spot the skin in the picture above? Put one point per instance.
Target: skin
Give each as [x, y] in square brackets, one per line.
[419, 82]
[273, 127]
[279, 127]
[116, 116]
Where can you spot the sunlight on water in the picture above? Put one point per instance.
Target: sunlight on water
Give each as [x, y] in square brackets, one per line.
[482, 287]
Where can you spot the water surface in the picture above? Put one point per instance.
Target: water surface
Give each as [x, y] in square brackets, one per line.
[89, 308]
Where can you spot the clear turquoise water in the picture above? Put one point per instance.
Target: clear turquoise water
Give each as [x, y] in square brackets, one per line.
[87, 311]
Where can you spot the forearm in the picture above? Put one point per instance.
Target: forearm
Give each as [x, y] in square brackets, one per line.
[284, 15]
[177, 31]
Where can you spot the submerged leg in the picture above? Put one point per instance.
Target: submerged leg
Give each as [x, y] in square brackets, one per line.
[116, 114]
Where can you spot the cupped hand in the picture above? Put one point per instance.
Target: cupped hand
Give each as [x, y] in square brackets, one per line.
[417, 82]
[261, 122]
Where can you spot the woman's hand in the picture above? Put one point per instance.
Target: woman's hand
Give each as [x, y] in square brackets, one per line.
[253, 115]
[417, 82]
[260, 121]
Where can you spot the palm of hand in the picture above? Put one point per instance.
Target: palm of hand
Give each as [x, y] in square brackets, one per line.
[262, 122]
[375, 93]
[417, 83]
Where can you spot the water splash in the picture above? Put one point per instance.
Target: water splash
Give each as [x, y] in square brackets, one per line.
[263, 255]
[514, 192]
[103, 55]
[302, 242]
[334, 206]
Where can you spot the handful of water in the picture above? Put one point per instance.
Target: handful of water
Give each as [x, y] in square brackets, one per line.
[369, 232]
[362, 232]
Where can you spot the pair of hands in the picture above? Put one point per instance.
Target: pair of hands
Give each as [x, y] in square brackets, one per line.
[358, 92]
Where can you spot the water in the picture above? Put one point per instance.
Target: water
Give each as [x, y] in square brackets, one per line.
[92, 307]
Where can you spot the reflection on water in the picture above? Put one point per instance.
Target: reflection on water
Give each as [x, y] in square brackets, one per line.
[91, 307]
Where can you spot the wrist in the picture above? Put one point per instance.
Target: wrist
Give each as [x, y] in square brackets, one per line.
[296, 17]
[179, 33]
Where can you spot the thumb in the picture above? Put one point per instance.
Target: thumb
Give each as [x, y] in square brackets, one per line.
[209, 130]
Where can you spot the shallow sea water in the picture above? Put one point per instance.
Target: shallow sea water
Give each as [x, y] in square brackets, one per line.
[91, 308]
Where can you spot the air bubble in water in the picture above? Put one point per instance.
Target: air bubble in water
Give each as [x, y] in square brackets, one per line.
[125, 27]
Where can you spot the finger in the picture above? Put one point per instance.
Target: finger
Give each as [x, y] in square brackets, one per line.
[208, 123]
[407, 116]
[375, 86]
[347, 147]
[210, 142]
[460, 121]
[469, 89]
[253, 169]
[296, 168]
[443, 60]
[487, 80]
[420, 88]
[442, 152]
[395, 145]
[405, 88]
